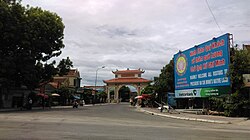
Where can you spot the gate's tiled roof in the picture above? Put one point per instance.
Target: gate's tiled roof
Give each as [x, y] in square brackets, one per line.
[127, 80]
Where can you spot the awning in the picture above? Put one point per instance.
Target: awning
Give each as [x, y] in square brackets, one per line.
[138, 97]
[55, 94]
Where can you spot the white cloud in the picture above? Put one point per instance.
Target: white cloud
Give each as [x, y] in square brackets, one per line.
[141, 33]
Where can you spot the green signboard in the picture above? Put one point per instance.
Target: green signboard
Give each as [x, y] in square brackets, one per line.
[202, 92]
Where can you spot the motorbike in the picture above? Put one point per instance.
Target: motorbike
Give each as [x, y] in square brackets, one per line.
[75, 105]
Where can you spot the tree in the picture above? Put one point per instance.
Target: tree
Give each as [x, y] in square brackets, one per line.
[124, 93]
[29, 37]
[102, 96]
[148, 90]
[124, 90]
[237, 103]
[65, 94]
[240, 64]
[64, 66]
[165, 81]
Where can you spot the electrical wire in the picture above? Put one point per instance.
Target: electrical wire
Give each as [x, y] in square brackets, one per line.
[213, 16]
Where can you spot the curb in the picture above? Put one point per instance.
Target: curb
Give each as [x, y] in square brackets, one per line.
[53, 107]
[96, 104]
[70, 106]
[184, 118]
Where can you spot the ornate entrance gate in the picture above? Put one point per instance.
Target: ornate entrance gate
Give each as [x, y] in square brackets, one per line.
[125, 77]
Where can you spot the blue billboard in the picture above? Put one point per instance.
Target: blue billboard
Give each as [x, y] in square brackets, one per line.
[201, 67]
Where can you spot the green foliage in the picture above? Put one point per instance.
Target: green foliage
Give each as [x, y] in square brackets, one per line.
[217, 103]
[45, 31]
[237, 103]
[148, 90]
[64, 66]
[29, 37]
[165, 81]
[112, 92]
[102, 94]
[233, 105]
[124, 90]
[240, 64]
[88, 91]
[65, 93]
[11, 1]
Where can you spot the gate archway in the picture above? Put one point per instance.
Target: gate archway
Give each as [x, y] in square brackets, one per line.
[126, 92]
[126, 77]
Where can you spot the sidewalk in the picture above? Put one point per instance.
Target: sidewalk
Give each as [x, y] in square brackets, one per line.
[194, 117]
[47, 108]
[19, 109]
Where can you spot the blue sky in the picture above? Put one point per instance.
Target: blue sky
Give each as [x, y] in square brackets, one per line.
[142, 34]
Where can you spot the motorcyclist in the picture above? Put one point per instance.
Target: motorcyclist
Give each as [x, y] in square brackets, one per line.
[75, 105]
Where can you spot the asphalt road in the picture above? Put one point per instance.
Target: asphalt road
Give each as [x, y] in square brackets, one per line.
[110, 122]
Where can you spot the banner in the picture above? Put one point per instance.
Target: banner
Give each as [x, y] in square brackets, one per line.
[203, 66]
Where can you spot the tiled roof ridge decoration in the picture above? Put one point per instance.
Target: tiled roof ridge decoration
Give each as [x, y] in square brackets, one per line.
[136, 71]
[128, 76]
[128, 80]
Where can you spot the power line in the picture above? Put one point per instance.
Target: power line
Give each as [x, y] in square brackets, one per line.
[213, 16]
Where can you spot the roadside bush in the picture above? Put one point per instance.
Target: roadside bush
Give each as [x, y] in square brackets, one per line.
[236, 105]
[217, 104]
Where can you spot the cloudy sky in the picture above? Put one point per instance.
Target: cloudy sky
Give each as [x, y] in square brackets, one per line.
[121, 34]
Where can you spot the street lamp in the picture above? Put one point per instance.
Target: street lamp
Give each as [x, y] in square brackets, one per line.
[96, 80]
